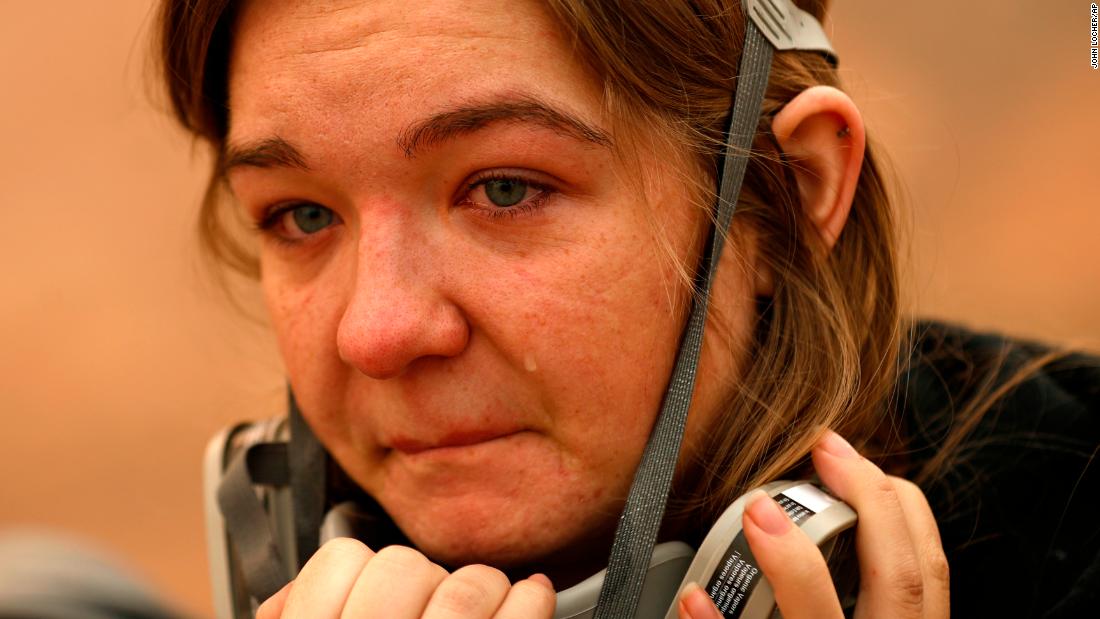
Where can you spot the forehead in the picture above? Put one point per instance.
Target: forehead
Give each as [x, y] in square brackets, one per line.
[316, 64]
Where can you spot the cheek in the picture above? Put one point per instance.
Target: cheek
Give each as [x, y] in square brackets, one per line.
[595, 329]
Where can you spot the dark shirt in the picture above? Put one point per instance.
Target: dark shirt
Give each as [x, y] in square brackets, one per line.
[1017, 504]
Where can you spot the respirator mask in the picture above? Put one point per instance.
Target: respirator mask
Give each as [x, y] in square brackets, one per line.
[270, 498]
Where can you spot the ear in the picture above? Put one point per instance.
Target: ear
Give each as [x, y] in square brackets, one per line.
[821, 131]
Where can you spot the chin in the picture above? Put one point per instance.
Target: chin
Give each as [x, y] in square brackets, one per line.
[476, 505]
[503, 530]
[508, 503]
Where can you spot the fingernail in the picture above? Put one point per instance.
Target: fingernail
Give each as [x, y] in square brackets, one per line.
[766, 514]
[542, 579]
[837, 446]
[696, 604]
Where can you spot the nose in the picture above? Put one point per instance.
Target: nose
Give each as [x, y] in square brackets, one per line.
[398, 312]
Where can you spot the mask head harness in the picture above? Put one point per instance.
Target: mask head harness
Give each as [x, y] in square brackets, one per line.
[301, 464]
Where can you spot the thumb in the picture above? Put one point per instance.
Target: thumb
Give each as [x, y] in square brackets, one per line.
[696, 604]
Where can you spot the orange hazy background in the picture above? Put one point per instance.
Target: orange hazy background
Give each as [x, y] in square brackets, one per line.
[119, 357]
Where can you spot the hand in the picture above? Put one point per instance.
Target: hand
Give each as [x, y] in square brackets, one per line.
[346, 579]
[903, 570]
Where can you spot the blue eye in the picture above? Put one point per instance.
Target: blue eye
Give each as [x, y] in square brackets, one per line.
[297, 221]
[505, 192]
[311, 218]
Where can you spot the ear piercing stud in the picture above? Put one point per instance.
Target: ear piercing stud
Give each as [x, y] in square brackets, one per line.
[845, 132]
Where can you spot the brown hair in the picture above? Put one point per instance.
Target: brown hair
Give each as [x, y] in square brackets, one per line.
[827, 345]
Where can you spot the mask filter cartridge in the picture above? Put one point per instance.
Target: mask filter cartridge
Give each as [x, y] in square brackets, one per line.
[724, 565]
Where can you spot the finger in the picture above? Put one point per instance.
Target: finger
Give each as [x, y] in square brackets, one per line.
[272, 608]
[327, 578]
[890, 578]
[532, 598]
[792, 563]
[926, 537]
[696, 604]
[396, 583]
[471, 592]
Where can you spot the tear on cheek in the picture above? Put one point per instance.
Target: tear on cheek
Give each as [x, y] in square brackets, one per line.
[529, 362]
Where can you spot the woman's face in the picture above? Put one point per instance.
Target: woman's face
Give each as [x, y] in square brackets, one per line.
[472, 306]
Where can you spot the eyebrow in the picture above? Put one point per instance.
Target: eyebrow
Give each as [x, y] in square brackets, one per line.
[438, 128]
[469, 118]
[267, 153]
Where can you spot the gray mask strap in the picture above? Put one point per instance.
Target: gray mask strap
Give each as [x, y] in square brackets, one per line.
[645, 505]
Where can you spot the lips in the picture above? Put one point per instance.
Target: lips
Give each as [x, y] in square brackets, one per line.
[455, 438]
